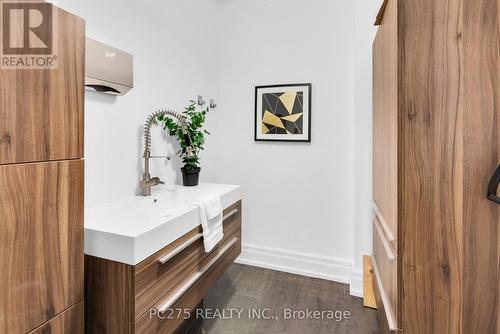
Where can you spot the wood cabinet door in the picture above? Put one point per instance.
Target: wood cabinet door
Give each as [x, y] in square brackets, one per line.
[70, 321]
[41, 110]
[385, 122]
[41, 242]
[450, 119]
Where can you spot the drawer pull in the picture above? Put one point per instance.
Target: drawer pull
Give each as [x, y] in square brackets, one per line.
[168, 304]
[387, 247]
[229, 214]
[180, 248]
[389, 312]
[382, 221]
[493, 187]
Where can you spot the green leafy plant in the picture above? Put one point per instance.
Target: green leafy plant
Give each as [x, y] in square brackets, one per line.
[191, 137]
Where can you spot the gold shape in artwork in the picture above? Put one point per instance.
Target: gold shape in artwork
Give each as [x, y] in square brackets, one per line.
[272, 120]
[265, 129]
[288, 100]
[292, 118]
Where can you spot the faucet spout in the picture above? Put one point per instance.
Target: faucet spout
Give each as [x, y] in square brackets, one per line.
[147, 181]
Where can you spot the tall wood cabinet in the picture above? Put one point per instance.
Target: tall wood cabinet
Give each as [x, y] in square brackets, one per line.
[41, 190]
[436, 111]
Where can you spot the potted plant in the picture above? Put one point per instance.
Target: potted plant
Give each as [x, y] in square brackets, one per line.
[191, 137]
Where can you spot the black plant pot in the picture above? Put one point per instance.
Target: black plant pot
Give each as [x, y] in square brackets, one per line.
[190, 177]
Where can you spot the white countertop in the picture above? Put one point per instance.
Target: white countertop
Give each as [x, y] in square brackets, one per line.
[132, 229]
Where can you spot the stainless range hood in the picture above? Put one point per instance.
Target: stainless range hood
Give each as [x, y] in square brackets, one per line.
[107, 69]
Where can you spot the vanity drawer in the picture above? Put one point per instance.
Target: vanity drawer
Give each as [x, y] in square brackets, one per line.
[232, 218]
[189, 292]
[161, 272]
[153, 281]
[385, 268]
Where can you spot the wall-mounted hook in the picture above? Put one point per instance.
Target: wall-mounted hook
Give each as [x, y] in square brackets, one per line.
[213, 105]
[201, 102]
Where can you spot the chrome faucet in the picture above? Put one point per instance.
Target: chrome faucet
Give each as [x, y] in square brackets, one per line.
[147, 181]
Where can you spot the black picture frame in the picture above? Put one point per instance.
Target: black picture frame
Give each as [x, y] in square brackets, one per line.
[257, 116]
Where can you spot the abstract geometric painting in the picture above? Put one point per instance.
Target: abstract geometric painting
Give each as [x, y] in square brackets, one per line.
[283, 113]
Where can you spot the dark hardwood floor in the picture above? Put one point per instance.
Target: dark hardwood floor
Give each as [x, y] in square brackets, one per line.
[245, 288]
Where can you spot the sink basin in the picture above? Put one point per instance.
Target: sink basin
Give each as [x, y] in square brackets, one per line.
[132, 229]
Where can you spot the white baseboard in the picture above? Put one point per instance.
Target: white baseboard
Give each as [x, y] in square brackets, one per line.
[305, 264]
[356, 286]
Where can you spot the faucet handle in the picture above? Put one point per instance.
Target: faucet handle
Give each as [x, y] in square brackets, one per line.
[167, 157]
[156, 181]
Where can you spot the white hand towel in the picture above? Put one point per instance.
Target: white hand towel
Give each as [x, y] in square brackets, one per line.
[211, 221]
[213, 207]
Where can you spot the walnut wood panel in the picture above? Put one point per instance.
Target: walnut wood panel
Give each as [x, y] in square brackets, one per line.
[385, 118]
[70, 321]
[41, 242]
[156, 279]
[41, 111]
[387, 269]
[154, 324]
[449, 122]
[109, 296]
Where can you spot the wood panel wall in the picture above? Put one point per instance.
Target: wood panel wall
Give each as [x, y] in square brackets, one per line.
[450, 146]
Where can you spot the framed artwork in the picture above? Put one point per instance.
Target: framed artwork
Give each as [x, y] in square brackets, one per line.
[283, 113]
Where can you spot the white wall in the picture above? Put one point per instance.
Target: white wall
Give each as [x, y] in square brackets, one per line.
[174, 60]
[365, 11]
[298, 198]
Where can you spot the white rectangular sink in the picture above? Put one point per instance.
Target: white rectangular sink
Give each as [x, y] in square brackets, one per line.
[132, 229]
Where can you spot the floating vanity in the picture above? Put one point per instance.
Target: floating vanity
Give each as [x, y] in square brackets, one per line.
[145, 257]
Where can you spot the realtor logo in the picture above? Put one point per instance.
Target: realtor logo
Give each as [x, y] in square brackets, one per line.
[28, 35]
